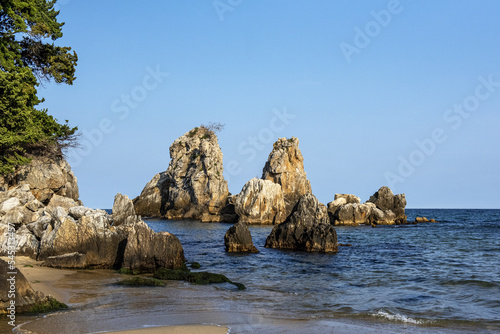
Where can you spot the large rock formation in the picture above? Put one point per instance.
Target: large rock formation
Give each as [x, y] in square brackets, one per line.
[285, 166]
[82, 237]
[45, 177]
[260, 202]
[383, 208]
[193, 186]
[238, 239]
[307, 228]
[16, 288]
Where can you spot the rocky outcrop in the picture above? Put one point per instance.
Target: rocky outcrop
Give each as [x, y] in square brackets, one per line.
[46, 178]
[193, 187]
[285, 166]
[148, 251]
[260, 202]
[26, 299]
[238, 239]
[307, 228]
[122, 209]
[383, 208]
[80, 237]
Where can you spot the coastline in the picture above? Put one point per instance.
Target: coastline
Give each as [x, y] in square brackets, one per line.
[98, 306]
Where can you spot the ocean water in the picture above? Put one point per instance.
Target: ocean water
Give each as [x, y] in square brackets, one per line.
[442, 275]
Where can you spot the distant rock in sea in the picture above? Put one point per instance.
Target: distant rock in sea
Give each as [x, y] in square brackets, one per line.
[383, 208]
[308, 228]
[260, 202]
[285, 166]
[193, 186]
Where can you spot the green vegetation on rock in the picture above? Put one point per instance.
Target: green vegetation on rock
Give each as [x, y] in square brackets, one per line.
[198, 278]
[141, 281]
[48, 305]
[26, 58]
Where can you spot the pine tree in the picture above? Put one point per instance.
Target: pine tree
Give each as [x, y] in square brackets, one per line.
[28, 56]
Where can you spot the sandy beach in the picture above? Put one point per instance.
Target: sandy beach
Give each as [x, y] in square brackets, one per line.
[204, 329]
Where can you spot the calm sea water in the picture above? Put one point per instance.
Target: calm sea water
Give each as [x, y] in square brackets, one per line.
[444, 274]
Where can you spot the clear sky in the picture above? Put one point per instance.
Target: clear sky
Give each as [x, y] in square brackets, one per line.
[398, 93]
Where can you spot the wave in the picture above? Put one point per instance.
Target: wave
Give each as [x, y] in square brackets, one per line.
[399, 318]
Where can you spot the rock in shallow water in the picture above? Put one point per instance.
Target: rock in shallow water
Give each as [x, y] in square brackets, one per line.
[239, 239]
[307, 228]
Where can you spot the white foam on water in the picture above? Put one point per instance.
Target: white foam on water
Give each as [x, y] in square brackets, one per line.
[398, 317]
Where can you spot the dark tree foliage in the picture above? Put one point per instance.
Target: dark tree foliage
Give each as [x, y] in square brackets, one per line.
[29, 56]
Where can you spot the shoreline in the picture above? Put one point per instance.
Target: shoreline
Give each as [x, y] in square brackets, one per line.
[99, 306]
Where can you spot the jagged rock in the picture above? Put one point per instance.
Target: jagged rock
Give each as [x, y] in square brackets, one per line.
[151, 201]
[307, 228]
[67, 261]
[385, 200]
[146, 250]
[260, 202]
[122, 208]
[353, 214]
[25, 296]
[285, 166]
[193, 186]
[239, 239]
[10, 204]
[45, 177]
[78, 212]
[64, 202]
[228, 212]
[340, 200]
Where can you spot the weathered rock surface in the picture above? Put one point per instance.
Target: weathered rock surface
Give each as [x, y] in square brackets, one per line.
[285, 166]
[66, 261]
[238, 239]
[260, 202]
[307, 228]
[79, 237]
[193, 187]
[45, 177]
[148, 251]
[383, 208]
[122, 209]
[25, 296]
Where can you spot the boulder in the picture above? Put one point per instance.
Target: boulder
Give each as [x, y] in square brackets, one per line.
[260, 202]
[307, 228]
[62, 201]
[285, 166]
[122, 208]
[45, 177]
[67, 261]
[146, 250]
[340, 200]
[421, 220]
[25, 297]
[193, 187]
[353, 214]
[385, 200]
[238, 239]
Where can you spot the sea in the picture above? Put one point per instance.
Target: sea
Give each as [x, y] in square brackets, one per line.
[439, 277]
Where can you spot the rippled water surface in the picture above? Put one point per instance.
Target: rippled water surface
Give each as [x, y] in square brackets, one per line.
[433, 274]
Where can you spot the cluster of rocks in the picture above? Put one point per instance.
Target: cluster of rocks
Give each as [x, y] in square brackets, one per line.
[383, 208]
[68, 235]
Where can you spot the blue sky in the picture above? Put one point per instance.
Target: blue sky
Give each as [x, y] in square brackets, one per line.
[398, 93]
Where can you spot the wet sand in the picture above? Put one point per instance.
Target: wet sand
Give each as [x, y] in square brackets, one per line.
[97, 305]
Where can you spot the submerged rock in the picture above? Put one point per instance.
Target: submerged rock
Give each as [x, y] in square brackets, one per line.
[260, 202]
[239, 239]
[307, 228]
[193, 187]
[285, 166]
